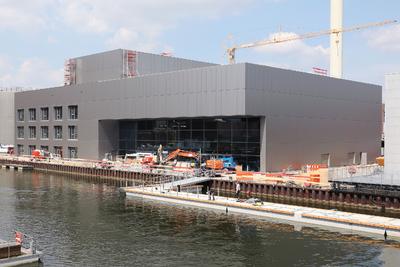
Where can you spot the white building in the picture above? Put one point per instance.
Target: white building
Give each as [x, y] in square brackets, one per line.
[7, 118]
[392, 128]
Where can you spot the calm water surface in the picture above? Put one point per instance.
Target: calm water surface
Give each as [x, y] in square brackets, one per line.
[79, 223]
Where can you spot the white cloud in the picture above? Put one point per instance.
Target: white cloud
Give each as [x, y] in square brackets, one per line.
[33, 72]
[4, 64]
[125, 38]
[84, 15]
[385, 39]
[24, 15]
[129, 21]
[132, 24]
[296, 54]
[137, 23]
[51, 40]
[374, 73]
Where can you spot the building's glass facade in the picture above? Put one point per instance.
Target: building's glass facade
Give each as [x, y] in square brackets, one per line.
[236, 136]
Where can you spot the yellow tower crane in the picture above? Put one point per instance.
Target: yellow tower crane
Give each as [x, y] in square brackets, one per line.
[232, 50]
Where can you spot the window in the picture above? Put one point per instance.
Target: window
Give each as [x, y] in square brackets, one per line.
[237, 136]
[20, 131]
[20, 115]
[32, 114]
[72, 152]
[32, 132]
[45, 148]
[57, 132]
[31, 148]
[326, 159]
[58, 113]
[44, 114]
[58, 150]
[20, 149]
[45, 132]
[73, 132]
[73, 112]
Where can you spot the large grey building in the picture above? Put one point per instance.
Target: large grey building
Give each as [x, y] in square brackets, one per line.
[268, 118]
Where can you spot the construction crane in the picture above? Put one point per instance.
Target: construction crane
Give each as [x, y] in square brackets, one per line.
[276, 40]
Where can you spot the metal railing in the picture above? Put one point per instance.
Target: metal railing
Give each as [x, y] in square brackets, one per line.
[27, 242]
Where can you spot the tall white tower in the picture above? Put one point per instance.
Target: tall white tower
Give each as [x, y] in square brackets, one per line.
[336, 39]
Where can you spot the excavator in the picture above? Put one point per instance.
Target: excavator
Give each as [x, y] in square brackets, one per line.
[180, 153]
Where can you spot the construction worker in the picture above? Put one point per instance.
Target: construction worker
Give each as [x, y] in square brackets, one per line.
[212, 194]
[237, 190]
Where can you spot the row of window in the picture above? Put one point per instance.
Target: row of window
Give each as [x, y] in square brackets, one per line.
[58, 150]
[44, 132]
[44, 113]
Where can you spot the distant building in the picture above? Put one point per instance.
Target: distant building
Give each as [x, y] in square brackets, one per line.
[7, 119]
[124, 101]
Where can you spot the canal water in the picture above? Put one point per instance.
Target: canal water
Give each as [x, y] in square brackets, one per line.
[84, 223]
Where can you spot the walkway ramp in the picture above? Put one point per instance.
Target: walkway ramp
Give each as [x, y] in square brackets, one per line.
[186, 182]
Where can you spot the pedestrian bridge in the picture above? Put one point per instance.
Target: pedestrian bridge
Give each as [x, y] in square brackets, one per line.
[185, 182]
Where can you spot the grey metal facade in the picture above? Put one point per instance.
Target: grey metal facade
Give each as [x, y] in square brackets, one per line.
[302, 115]
[109, 65]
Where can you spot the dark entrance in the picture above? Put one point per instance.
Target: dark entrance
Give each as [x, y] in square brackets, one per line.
[236, 136]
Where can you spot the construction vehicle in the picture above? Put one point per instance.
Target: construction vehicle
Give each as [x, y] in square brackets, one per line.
[380, 161]
[41, 154]
[183, 161]
[221, 163]
[140, 157]
[214, 164]
[181, 153]
[149, 159]
[6, 149]
[228, 162]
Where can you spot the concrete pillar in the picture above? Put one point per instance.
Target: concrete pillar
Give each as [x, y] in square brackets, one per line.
[294, 192]
[263, 144]
[270, 190]
[313, 193]
[348, 198]
[336, 38]
[388, 203]
[355, 199]
[363, 200]
[396, 203]
[327, 198]
[378, 201]
[320, 195]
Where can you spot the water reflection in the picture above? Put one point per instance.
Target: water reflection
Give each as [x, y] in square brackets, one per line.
[84, 223]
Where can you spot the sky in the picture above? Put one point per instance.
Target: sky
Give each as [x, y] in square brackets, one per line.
[37, 36]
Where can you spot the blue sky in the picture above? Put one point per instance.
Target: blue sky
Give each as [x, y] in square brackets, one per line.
[38, 35]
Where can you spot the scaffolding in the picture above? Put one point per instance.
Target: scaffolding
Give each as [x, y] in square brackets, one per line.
[70, 72]
[129, 64]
